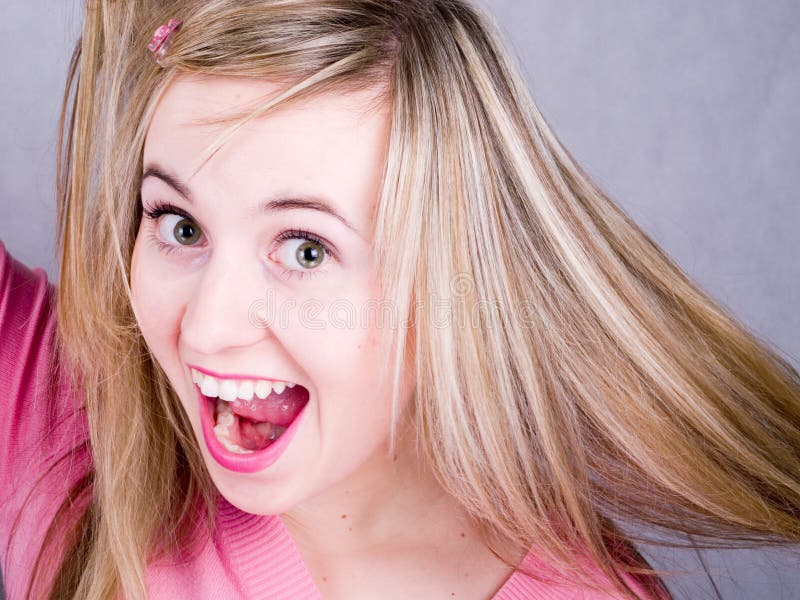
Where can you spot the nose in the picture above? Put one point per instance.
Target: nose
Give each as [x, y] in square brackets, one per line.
[219, 317]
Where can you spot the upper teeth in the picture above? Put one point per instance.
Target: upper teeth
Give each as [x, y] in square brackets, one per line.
[231, 389]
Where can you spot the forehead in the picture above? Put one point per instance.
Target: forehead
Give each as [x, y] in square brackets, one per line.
[332, 143]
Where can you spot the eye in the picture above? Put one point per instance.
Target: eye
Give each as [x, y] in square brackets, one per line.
[303, 249]
[173, 225]
[177, 227]
[309, 254]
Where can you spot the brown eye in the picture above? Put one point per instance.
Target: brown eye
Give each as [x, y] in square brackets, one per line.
[186, 232]
[309, 254]
[303, 248]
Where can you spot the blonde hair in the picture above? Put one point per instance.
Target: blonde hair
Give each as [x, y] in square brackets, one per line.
[621, 392]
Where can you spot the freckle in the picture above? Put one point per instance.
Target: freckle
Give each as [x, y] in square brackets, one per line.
[324, 579]
[344, 516]
[349, 529]
[462, 534]
[395, 457]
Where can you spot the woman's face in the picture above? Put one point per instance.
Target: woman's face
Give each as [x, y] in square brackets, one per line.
[265, 273]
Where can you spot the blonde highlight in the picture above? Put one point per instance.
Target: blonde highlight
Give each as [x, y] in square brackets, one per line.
[624, 394]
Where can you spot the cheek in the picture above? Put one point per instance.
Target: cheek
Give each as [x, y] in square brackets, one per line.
[354, 403]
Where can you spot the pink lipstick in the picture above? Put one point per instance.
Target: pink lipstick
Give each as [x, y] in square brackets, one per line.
[247, 462]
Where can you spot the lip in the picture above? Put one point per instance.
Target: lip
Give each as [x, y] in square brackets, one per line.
[234, 376]
[243, 463]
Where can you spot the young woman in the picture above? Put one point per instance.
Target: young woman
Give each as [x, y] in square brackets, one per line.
[339, 317]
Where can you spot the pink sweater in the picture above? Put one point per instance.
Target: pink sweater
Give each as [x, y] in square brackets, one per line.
[250, 556]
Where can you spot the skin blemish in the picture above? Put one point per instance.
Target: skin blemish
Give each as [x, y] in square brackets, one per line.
[462, 534]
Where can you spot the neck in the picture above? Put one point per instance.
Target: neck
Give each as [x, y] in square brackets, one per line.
[390, 497]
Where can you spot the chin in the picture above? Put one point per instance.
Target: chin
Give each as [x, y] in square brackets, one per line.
[256, 497]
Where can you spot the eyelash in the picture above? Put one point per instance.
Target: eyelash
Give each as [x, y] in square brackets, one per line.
[165, 208]
[157, 212]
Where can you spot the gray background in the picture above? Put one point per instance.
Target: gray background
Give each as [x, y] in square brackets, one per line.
[686, 112]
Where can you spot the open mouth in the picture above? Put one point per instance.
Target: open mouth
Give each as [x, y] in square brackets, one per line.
[247, 424]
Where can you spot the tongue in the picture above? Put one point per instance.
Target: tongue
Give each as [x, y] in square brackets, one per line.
[256, 436]
[278, 409]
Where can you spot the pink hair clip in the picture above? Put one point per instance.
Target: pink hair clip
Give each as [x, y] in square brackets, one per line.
[161, 39]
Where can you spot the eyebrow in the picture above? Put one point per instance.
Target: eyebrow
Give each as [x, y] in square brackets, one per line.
[270, 204]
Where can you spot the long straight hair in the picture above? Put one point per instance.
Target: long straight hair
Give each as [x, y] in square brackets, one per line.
[582, 379]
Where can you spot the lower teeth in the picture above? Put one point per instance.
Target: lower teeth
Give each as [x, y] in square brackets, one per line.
[226, 420]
